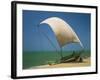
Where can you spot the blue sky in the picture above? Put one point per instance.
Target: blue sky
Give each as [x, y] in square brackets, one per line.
[33, 40]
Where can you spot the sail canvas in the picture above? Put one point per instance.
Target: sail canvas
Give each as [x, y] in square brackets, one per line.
[63, 31]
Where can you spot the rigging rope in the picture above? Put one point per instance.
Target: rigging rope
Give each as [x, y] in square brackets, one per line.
[50, 41]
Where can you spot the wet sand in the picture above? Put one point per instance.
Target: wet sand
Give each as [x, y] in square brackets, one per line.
[86, 62]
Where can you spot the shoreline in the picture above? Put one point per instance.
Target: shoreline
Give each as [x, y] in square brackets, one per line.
[86, 62]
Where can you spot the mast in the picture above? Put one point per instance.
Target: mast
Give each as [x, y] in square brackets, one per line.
[61, 55]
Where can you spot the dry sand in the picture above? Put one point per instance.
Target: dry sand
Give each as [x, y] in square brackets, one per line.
[86, 62]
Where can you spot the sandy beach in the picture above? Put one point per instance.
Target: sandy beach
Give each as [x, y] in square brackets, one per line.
[86, 62]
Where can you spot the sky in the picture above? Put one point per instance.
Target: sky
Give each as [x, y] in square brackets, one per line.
[34, 40]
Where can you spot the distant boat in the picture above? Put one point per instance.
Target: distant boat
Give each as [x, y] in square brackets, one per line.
[63, 32]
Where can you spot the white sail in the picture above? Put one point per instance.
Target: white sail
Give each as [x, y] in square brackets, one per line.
[62, 30]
